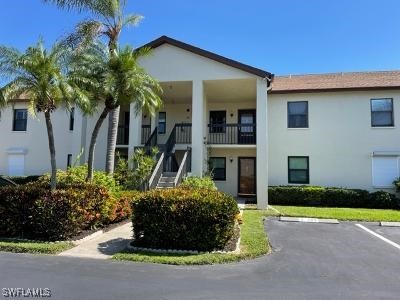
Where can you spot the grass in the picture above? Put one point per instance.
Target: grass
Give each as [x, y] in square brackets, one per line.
[253, 243]
[348, 214]
[36, 247]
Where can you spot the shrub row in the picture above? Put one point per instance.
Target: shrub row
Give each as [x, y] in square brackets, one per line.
[189, 219]
[195, 182]
[331, 197]
[24, 179]
[32, 211]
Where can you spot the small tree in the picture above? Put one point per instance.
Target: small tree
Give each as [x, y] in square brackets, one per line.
[39, 74]
[136, 177]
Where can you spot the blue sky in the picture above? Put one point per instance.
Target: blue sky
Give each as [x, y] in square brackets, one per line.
[283, 37]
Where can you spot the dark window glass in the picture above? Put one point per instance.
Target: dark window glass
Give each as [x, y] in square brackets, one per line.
[382, 112]
[20, 119]
[71, 119]
[162, 122]
[69, 160]
[217, 167]
[298, 114]
[217, 121]
[298, 169]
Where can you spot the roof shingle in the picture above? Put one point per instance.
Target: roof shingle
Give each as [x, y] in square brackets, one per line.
[336, 81]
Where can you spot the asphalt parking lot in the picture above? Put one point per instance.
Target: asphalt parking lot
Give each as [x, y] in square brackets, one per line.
[309, 261]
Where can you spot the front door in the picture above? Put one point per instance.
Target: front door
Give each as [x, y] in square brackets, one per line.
[246, 127]
[247, 176]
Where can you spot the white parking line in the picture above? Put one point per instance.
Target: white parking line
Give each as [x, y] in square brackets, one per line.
[379, 236]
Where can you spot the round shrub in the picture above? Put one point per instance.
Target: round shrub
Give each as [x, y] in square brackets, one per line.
[77, 175]
[33, 211]
[189, 219]
[195, 182]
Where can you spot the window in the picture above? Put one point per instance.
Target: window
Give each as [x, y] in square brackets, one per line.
[20, 118]
[385, 169]
[71, 119]
[217, 121]
[162, 122]
[298, 114]
[382, 112]
[298, 169]
[217, 166]
[69, 160]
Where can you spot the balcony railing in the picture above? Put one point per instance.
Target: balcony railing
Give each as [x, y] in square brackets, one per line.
[123, 135]
[146, 132]
[232, 134]
[183, 133]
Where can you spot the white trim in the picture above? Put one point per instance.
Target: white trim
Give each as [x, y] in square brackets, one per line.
[233, 146]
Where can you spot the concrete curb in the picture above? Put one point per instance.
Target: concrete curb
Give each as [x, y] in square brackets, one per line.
[389, 224]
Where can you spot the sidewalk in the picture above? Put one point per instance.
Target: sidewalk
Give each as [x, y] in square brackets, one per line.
[103, 246]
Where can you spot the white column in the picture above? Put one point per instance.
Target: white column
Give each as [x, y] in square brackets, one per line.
[198, 125]
[135, 129]
[262, 144]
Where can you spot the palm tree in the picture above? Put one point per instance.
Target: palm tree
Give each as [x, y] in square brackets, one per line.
[114, 79]
[109, 20]
[40, 74]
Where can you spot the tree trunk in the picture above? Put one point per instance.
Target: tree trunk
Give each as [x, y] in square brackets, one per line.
[50, 134]
[93, 140]
[113, 121]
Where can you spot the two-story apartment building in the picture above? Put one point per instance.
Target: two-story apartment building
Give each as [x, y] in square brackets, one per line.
[251, 128]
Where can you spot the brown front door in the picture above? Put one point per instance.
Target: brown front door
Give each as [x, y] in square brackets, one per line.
[247, 176]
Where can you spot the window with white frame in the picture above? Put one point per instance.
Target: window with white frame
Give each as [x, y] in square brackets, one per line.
[385, 169]
[382, 112]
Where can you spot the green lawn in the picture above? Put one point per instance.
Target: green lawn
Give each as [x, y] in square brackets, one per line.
[351, 214]
[19, 246]
[253, 243]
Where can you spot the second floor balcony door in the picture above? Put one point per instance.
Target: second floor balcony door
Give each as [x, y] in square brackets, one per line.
[247, 127]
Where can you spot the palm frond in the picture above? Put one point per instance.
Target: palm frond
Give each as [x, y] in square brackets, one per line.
[105, 8]
[85, 33]
[132, 20]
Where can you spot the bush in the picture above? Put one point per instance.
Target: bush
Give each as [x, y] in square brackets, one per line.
[77, 175]
[119, 208]
[397, 184]
[184, 219]
[33, 211]
[24, 179]
[330, 197]
[195, 182]
[135, 178]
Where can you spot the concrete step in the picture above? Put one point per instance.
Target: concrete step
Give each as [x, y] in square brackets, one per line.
[165, 184]
[169, 174]
[167, 179]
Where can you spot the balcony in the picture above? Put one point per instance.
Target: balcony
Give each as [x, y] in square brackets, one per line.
[146, 132]
[232, 134]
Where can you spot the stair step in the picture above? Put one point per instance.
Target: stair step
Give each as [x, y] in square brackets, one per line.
[167, 179]
[169, 174]
[165, 184]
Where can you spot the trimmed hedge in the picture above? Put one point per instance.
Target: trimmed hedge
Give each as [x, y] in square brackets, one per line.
[195, 182]
[32, 211]
[331, 197]
[187, 219]
[24, 179]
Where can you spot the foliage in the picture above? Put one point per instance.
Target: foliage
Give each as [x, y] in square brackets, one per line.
[397, 184]
[136, 177]
[184, 219]
[24, 179]
[22, 246]
[77, 175]
[253, 243]
[196, 182]
[331, 197]
[33, 211]
[119, 207]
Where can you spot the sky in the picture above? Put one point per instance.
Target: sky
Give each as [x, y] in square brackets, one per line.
[279, 36]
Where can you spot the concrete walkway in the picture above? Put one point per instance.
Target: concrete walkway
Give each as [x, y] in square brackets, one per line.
[104, 245]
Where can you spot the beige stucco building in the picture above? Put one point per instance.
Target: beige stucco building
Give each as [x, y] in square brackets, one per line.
[251, 128]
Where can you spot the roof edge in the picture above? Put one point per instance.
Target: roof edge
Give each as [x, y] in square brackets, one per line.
[213, 56]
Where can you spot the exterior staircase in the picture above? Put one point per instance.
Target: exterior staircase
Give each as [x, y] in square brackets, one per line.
[167, 180]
